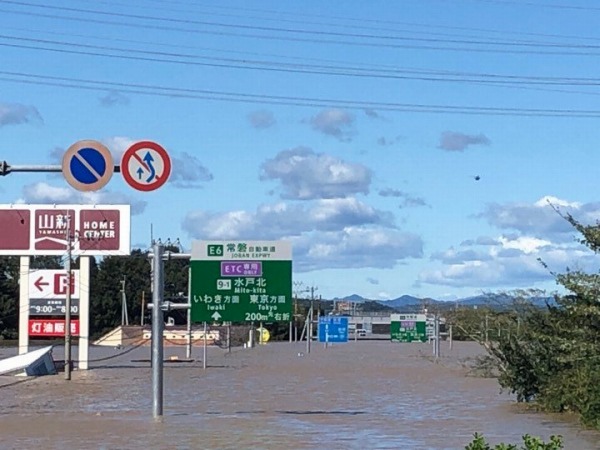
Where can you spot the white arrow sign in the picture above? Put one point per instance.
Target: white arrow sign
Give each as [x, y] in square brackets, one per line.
[216, 316]
[52, 284]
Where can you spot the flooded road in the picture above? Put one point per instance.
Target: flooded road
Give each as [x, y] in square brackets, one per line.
[364, 394]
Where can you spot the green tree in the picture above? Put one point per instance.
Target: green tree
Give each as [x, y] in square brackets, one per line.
[529, 443]
[9, 297]
[106, 286]
[554, 357]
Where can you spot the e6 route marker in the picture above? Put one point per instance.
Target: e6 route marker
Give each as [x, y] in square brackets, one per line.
[87, 165]
[146, 166]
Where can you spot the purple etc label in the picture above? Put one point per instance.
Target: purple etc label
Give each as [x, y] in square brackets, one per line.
[241, 268]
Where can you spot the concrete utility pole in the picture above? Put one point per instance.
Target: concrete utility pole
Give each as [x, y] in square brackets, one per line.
[124, 316]
[309, 322]
[297, 291]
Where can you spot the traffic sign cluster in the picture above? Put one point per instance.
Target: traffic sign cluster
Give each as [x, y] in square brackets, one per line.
[88, 165]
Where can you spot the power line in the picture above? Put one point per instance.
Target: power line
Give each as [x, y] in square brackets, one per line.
[173, 92]
[231, 63]
[387, 41]
[541, 5]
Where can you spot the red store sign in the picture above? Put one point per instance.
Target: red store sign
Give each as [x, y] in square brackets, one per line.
[47, 229]
[51, 327]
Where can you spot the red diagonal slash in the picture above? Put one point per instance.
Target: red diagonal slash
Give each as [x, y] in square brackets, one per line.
[141, 161]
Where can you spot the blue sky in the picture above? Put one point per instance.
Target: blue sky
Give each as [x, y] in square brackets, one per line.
[403, 147]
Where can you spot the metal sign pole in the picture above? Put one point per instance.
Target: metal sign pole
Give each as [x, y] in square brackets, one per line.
[84, 313]
[204, 349]
[68, 305]
[229, 338]
[309, 330]
[24, 304]
[188, 349]
[157, 329]
[436, 322]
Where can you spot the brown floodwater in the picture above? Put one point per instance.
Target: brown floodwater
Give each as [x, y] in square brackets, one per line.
[366, 394]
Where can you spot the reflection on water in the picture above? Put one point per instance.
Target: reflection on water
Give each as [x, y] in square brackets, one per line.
[355, 395]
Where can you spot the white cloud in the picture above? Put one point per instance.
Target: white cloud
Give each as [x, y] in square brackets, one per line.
[515, 260]
[306, 175]
[16, 114]
[335, 213]
[279, 220]
[334, 122]
[261, 119]
[526, 244]
[408, 200]
[457, 142]
[355, 247]
[114, 98]
[550, 200]
[325, 234]
[188, 172]
[540, 218]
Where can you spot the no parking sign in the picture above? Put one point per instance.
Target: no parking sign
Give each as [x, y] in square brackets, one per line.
[87, 165]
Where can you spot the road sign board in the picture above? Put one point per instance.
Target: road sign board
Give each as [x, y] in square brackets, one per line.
[87, 165]
[52, 284]
[51, 327]
[333, 329]
[146, 166]
[52, 307]
[408, 327]
[241, 281]
[42, 229]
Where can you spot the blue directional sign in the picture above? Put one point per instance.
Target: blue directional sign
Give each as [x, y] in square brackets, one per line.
[333, 329]
[87, 165]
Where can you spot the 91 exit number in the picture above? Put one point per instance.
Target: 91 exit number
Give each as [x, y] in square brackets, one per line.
[223, 285]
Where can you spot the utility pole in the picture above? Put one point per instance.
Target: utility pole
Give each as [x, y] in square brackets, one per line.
[124, 316]
[68, 303]
[297, 291]
[309, 322]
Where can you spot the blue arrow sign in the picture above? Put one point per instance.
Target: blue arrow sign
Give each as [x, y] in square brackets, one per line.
[149, 159]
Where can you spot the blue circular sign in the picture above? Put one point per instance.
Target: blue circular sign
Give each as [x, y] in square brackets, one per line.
[87, 165]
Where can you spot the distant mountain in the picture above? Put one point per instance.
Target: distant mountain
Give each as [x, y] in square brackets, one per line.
[409, 303]
[502, 301]
[351, 298]
[403, 301]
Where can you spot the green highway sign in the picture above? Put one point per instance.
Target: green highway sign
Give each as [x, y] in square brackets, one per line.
[241, 281]
[408, 327]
